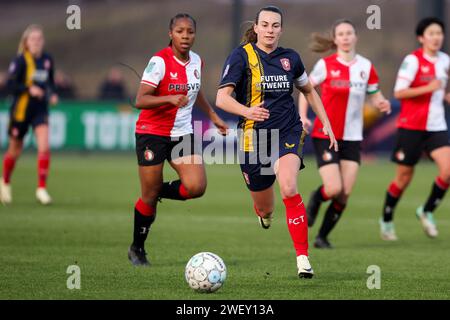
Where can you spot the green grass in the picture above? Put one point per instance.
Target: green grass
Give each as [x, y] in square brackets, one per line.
[90, 224]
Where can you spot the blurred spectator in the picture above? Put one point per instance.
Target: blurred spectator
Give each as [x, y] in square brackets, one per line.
[113, 88]
[64, 86]
[3, 85]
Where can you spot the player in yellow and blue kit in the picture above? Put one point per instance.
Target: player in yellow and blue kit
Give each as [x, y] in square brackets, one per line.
[32, 86]
[263, 76]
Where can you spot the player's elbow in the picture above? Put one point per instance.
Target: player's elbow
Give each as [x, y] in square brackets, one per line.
[220, 100]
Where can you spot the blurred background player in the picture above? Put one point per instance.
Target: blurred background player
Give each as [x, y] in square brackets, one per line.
[169, 88]
[345, 79]
[31, 83]
[420, 86]
[113, 87]
[263, 77]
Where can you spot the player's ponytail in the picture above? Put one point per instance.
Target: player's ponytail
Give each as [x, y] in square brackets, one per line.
[250, 34]
[23, 40]
[325, 42]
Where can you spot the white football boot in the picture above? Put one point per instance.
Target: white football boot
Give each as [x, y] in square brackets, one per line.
[5, 192]
[265, 222]
[42, 196]
[304, 267]
[427, 221]
[387, 231]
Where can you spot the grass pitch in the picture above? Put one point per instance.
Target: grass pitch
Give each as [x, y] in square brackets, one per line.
[90, 225]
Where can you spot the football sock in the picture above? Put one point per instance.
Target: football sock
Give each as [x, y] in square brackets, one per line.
[393, 194]
[43, 164]
[297, 223]
[174, 190]
[8, 167]
[437, 193]
[144, 216]
[332, 216]
[321, 195]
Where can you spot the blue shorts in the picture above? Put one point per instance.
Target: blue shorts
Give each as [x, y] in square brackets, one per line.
[18, 129]
[257, 164]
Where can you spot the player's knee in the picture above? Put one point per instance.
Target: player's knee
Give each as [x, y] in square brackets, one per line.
[196, 190]
[333, 191]
[288, 190]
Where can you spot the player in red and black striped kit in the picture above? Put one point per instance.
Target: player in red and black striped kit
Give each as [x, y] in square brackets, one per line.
[31, 83]
[170, 87]
[420, 86]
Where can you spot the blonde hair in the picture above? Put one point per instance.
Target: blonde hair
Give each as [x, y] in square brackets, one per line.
[325, 42]
[23, 40]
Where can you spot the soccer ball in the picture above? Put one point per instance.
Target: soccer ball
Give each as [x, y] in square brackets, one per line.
[205, 272]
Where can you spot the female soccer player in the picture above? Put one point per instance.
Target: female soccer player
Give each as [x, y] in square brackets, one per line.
[345, 78]
[31, 83]
[169, 89]
[420, 86]
[263, 76]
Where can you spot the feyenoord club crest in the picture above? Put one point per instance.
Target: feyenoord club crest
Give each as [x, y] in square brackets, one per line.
[47, 64]
[196, 74]
[148, 155]
[285, 64]
[327, 156]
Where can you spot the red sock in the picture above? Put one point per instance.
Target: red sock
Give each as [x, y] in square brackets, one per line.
[8, 167]
[183, 192]
[144, 209]
[297, 223]
[43, 164]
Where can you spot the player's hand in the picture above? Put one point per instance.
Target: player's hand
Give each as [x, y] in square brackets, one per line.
[221, 125]
[36, 92]
[384, 106]
[257, 113]
[333, 142]
[179, 100]
[434, 85]
[307, 124]
[54, 99]
[447, 97]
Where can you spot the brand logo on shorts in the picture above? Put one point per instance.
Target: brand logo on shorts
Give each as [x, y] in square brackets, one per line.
[149, 155]
[400, 155]
[246, 178]
[285, 63]
[327, 156]
[289, 146]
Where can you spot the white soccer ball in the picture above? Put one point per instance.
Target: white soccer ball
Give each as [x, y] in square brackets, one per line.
[205, 272]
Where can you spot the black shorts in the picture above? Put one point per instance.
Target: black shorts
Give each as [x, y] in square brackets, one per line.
[257, 165]
[348, 150]
[18, 129]
[411, 144]
[152, 149]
